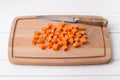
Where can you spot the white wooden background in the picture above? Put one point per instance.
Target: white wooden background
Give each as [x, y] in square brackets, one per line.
[109, 9]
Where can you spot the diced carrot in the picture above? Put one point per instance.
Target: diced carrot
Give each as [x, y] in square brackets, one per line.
[54, 40]
[34, 41]
[81, 28]
[42, 32]
[83, 40]
[37, 33]
[43, 28]
[65, 29]
[76, 44]
[70, 35]
[48, 38]
[53, 36]
[64, 42]
[44, 36]
[55, 47]
[62, 23]
[74, 26]
[78, 34]
[47, 31]
[50, 35]
[74, 31]
[36, 36]
[40, 40]
[64, 33]
[52, 30]
[61, 35]
[71, 40]
[82, 32]
[65, 38]
[69, 28]
[59, 39]
[49, 45]
[42, 46]
[64, 47]
[60, 43]
[57, 32]
[84, 36]
[49, 25]
[53, 27]
[76, 39]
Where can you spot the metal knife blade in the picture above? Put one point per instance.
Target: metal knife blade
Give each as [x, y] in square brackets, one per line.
[57, 18]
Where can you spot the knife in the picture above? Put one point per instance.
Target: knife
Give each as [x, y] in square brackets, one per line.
[81, 19]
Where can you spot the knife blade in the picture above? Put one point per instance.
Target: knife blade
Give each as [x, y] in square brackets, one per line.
[82, 19]
[56, 18]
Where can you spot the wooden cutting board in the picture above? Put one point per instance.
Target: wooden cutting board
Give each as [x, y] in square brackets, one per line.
[21, 51]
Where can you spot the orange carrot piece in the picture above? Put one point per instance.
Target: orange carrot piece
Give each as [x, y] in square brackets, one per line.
[34, 41]
[43, 28]
[37, 33]
[60, 43]
[76, 44]
[49, 45]
[64, 42]
[84, 36]
[47, 31]
[82, 32]
[42, 46]
[83, 40]
[74, 26]
[55, 36]
[40, 40]
[65, 38]
[49, 25]
[55, 47]
[53, 40]
[74, 31]
[62, 23]
[35, 36]
[64, 47]
[81, 28]
[76, 39]
[44, 36]
[78, 34]
[70, 40]
[48, 38]
[59, 39]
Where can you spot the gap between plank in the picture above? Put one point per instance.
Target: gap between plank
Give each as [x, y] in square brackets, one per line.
[54, 75]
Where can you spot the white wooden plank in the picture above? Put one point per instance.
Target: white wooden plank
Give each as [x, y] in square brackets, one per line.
[111, 69]
[115, 45]
[62, 78]
[114, 37]
[4, 37]
[62, 5]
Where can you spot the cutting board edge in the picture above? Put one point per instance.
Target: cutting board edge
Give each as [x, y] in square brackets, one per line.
[104, 59]
[77, 61]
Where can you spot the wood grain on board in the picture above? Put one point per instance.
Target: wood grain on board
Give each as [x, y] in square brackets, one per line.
[21, 51]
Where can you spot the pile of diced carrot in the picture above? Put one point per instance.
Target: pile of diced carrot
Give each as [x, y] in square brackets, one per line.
[61, 35]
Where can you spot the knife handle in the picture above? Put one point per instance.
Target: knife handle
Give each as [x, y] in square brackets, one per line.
[92, 21]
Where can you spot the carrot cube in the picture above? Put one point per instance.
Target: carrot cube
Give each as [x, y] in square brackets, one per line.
[76, 44]
[64, 47]
[83, 40]
[42, 46]
[55, 47]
